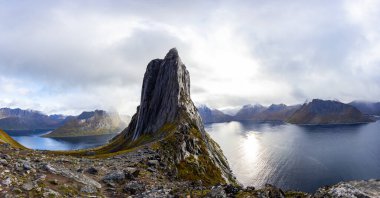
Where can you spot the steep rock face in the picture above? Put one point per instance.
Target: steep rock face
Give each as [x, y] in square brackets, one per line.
[209, 115]
[327, 112]
[96, 122]
[168, 118]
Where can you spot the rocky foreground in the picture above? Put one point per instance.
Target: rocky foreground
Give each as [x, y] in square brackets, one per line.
[138, 173]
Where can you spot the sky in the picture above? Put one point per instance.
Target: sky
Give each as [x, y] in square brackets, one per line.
[70, 56]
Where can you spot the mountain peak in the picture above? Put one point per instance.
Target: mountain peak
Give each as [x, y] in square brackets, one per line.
[168, 118]
[172, 54]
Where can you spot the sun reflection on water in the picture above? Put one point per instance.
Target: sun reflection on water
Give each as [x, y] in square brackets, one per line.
[251, 147]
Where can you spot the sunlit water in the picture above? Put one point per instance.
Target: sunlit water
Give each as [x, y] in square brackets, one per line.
[299, 157]
[33, 140]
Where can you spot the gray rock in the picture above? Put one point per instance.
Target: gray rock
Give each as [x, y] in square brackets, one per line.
[7, 181]
[271, 191]
[28, 186]
[26, 165]
[92, 171]
[5, 156]
[50, 193]
[49, 168]
[351, 189]
[134, 187]
[131, 172]
[150, 169]
[81, 178]
[40, 177]
[3, 162]
[88, 189]
[217, 192]
[116, 176]
[231, 189]
[154, 163]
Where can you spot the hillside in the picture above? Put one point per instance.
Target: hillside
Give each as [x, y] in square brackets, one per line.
[327, 112]
[96, 122]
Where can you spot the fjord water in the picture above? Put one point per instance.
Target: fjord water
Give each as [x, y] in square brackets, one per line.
[299, 157]
[33, 140]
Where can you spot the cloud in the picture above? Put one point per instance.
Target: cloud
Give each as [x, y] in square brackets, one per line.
[69, 56]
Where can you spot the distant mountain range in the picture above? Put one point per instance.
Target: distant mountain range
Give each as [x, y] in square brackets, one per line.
[18, 119]
[87, 123]
[96, 122]
[369, 108]
[213, 115]
[315, 112]
[327, 112]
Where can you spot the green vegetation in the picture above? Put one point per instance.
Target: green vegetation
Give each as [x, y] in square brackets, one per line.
[5, 138]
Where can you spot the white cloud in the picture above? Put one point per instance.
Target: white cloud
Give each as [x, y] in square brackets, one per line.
[70, 56]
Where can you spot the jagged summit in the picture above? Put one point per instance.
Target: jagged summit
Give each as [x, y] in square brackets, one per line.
[172, 54]
[166, 89]
[168, 119]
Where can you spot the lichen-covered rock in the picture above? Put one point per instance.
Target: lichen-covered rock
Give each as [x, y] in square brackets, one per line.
[115, 176]
[351, 189]
[134, 187]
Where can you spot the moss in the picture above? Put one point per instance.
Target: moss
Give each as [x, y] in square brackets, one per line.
[191, 168]
[68, 190]
[202, 169]
[197, 193]
[120, 144]
[292, 194]
[243, 194]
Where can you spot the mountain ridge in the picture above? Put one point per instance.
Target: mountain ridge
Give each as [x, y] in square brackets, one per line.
[98, 122]
[327, 112]
[19, 119]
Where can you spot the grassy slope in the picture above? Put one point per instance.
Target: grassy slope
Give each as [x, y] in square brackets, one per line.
[5, 138]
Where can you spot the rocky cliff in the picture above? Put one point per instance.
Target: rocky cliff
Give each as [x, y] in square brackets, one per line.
[96, 122]
[168, 118]
[327, 112]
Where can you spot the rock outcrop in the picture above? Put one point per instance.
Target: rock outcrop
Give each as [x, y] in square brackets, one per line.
[327, 112]
[96, 122]
[362, 188]
[168, 118]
